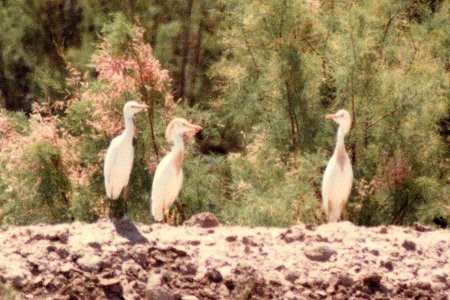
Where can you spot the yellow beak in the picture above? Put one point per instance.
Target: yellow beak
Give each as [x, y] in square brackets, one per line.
[330, 117]
[141, 106]
[196, 128]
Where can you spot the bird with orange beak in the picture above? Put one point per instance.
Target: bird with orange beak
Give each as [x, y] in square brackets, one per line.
[168, 178]
[338, 177]
[119, 162]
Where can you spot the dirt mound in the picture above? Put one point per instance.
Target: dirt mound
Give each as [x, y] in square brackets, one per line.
[127, 261]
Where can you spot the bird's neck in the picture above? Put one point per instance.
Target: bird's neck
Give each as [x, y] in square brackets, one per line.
[129, 128]
[340, 143]
[178, 152]
[178, 144]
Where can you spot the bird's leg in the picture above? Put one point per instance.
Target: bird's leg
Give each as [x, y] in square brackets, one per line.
[167, 216]
[180, 211]
[125, 202]
[164, 216]
[118, 207]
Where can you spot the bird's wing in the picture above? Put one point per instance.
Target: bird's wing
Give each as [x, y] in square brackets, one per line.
[110, 160]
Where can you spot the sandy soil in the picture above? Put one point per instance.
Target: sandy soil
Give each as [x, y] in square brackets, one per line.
[201, 260]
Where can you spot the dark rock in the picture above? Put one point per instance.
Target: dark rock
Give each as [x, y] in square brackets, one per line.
[290, 236]
[280, 268]
[345, 280]
[409, 245]
[229, 284]
[60, 236]
[167, 277]
[249, 283]
[422, 228]
[95, 245]
[388, 265]
[320, 253]
[214, 275]
[292, 276]
[383, 230]
[372, 282]
[311, 227]
[112, 288]
[375, 252]
[160, 293]
[63, 253]
[195, 243]
[204, 220]
[188, 269]
[231, 238]
[246, 240]
[51, 248]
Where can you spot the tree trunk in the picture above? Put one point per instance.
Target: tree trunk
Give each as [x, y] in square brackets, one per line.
[185, 49]
[4, 93]
[292, 116]
[196, 58]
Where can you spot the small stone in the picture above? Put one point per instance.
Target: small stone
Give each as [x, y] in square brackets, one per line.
[160, 293]
[111, 286]
[188, 269]
[203, 220]
[345, 280]
[195, 243]
[372, 281]
[409, 245]
[388, 265]
[320, 253]
[95, 245]
[231, 238]
[280, 268]
[214, 276]
[383, 230]
[51, 248]
[292, 276]
[230, 284]
[62, 252]
[311, 227]
[422, 228]
[89, 263]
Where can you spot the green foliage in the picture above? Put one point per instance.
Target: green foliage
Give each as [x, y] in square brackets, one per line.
[259, 76]
[83, 205]
[119, 32]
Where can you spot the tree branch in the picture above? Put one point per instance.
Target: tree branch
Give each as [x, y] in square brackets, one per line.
[385, 116]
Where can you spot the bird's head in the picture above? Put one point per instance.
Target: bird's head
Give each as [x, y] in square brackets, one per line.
[181, 127]
[132, 107]
[343, 118]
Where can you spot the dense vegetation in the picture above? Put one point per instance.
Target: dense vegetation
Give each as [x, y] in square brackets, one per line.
[259, 75]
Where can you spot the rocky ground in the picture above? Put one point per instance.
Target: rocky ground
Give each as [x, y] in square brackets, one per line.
[203, 260]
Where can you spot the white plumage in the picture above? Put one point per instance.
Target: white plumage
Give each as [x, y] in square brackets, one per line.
[338, 177]
[168, 177]
[120, 154]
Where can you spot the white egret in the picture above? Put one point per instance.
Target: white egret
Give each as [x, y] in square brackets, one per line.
[169, 173]
[338, 177]
[119, 157]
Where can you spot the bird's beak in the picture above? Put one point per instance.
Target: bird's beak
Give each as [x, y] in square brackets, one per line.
[140, 106]
[196, 128]
[330, 117]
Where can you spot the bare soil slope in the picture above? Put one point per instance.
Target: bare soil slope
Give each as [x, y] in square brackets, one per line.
[205, 261]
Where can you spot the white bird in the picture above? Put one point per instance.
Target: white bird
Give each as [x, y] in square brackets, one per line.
[338, 177]
[168, 177]
[120, 154]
